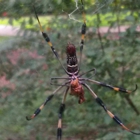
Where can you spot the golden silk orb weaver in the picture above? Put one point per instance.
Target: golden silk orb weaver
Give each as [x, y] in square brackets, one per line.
[75, 83]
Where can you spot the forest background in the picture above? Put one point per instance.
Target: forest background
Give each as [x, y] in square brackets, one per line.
[112, 46]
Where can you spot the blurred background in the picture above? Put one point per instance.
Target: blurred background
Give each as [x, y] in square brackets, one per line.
[112, 46]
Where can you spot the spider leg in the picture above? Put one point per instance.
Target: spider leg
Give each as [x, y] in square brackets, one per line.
[46, 37]
[60, 115]
[114, 117]
[83, 32]
[84, 73]
[109, 86]
[42, 106]
[67, 78]
[60, 78]
[60, 84]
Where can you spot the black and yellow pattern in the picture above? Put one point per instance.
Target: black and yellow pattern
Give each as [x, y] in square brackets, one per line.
[40, 108]
[59, 129]
[60, 115]
[115, 118]
[43, 105]
[110, 86]
[47, 39]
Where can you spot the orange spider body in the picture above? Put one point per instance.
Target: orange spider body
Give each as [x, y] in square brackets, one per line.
[77, 90]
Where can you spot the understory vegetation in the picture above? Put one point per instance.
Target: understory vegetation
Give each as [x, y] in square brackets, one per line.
[27, 65]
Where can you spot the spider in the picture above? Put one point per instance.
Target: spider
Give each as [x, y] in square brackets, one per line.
[74, 82]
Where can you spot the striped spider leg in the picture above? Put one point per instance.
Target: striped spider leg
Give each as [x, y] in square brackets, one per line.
[46, 37]
[60, 115]
[109, 86]
[114, 117]
[38, 110]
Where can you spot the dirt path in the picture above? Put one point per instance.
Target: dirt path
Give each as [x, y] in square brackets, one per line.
[7, 30]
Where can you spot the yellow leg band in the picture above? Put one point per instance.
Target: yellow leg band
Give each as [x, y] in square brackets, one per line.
[50, 44]
[83, 36]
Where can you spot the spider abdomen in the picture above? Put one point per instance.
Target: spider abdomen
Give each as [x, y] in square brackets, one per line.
[72, 65]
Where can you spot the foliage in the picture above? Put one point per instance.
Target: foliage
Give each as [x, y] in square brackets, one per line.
[27, 64]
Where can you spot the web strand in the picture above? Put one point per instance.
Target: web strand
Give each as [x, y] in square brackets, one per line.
[106, 3]
[96, 3]
[70, 15]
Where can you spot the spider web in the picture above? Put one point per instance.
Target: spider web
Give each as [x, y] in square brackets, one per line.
[97, 7]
